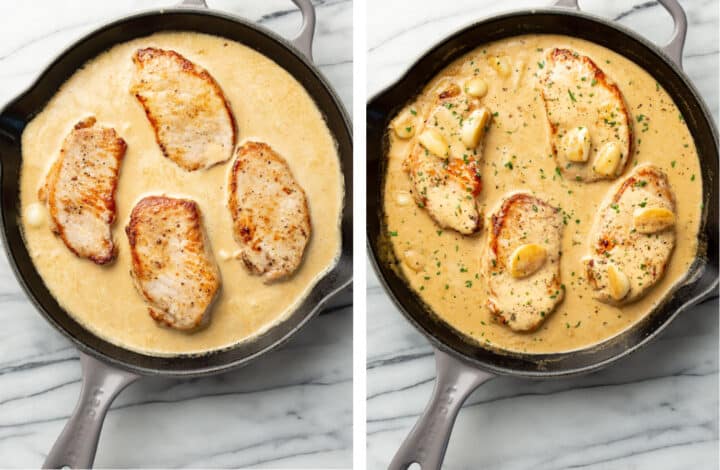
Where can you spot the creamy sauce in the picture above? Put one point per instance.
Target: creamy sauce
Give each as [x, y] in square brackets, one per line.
[443, 267]
[270, 106]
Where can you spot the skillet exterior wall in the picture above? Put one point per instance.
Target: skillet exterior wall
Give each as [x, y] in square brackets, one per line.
[494, 430]
[277, 398]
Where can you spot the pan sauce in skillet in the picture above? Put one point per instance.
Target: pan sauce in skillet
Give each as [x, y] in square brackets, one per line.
[443, 267]
[270, 106]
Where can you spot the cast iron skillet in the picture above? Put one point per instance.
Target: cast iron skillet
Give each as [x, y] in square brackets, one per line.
[463, 365]
[107, 368]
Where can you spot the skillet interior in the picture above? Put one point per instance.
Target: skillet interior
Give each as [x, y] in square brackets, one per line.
[703, 274]
[19, 112]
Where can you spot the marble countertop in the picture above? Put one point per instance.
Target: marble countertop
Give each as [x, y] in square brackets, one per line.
[291, 409]
[658, 409]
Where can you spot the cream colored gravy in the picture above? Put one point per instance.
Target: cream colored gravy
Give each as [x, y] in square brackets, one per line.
[270, 106]
[443, 267]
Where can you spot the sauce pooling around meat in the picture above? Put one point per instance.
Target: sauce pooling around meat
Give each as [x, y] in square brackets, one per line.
[445, 268]
[266, 101]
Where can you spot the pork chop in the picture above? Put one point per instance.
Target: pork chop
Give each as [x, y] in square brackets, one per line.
[521, 265]
[590, 127]
[79, 190]
[172, 265]
[444, 162]
[192, 120]
[632, 237]
[271, 220]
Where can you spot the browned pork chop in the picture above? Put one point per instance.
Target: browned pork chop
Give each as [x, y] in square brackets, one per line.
[590, 126]
[445, 160]
[632, 237]
[192, 120]
[172, 264]
[79, 190]
[271, 220]
[522, 261]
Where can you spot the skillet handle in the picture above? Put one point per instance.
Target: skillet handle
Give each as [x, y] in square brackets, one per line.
[427, 442]
[303, 41]
[674, 48]
[76, 446]
[193, 4]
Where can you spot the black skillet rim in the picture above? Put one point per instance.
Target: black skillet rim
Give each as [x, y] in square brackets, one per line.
[541, 366]
[262, 40]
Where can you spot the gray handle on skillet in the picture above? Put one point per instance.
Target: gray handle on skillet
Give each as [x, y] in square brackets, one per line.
[674, 47]
[76, 446]
[304, 39]
[428, 440]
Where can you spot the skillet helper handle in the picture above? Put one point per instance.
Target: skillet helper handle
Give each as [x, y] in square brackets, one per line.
[193, 4]
[427, 442]
[303, 41]
[674, 48]
[76, 446]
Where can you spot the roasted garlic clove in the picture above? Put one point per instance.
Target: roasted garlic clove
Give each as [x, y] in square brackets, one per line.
[473, 127]
[434, 142]
[527, 259]
[618, 282]
[576, 144]
[653, 219]
[476, 87]
[414, 260]
[501, 65]
[404, 125]
[608, 159]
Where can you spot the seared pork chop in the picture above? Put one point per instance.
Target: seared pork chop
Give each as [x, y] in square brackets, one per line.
[271, 220]
[521, 265]
[590, 127]
[192, 120]
[445, 160]
[172, 265]
[79, 190]
[632, 237]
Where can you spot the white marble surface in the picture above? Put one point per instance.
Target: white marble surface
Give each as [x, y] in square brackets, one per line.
[292, 409]
[656, 410]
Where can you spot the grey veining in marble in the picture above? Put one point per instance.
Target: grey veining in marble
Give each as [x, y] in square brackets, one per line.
[656, 410]
[292, 409]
